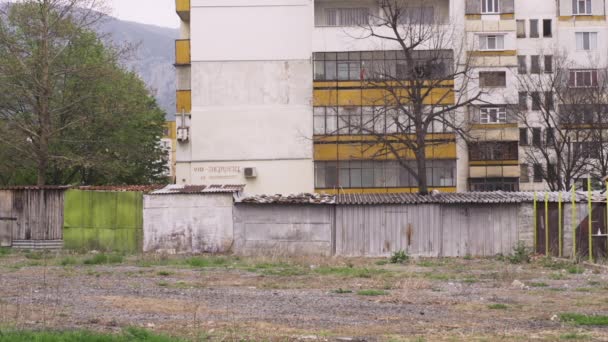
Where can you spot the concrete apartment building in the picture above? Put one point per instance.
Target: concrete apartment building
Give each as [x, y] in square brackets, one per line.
[261, 84]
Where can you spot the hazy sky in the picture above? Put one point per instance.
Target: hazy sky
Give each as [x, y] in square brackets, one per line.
[154, 12]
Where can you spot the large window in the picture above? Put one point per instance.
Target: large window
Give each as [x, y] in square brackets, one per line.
[490, 6]
[488, 151]
[586, 41]
[494, 79]
[491, 42]
[493, 115]
[417, 15]
[381, 65]
[346, 16]
[381, 174]
[494, 184]
[581, 7]
[583, 78]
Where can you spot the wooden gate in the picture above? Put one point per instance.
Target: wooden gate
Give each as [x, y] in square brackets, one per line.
[548, 227]
[598, 233]
[6, 219]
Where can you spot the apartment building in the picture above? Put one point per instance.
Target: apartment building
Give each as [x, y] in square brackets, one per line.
[274, 94]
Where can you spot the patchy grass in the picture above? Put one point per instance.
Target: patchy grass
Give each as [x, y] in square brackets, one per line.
[349, 272]
[101, 259]
[207, 262]
[342, 291]
[35, 255]
[438, 276]
[163, 284]
[574, 336]
[5, 251]
[67, 261]
[558, 276]
[538, 284]
[586, 320]
[497, 306]
[164, 273]
[372, 293]
[128, 335]
[575, 269]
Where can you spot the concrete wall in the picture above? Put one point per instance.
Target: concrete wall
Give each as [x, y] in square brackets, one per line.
[283, 229]
[188, 223]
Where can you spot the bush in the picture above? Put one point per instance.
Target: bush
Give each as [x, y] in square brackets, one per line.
[399, 257]
[520, 254]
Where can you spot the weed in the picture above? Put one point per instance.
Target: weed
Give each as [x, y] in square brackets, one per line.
[468, 257]
[594, 283]
[540, 284]
[341, 291]
[100, 259]
[164, 273]
[381, 262]
[574, 269]
[399, 257]
[437, 276]
[469, 280]
[558, 276]
[206, 262]
[372, 293]
[498, 306]
[68, 261]
[5, 251]
[583, 289]
[34, 255]
[349, 272]
[581, 319]
[520, 254]
[129, 334]
[162, 283]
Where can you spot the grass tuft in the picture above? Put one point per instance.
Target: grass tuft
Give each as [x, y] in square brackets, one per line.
[128, 335]
[538, 284]
[581, 319]
[100, 259]
[497, 306]
[68, 261]
[372, 293]
[573, 336]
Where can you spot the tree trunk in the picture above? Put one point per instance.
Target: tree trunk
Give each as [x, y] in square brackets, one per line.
[420, 153]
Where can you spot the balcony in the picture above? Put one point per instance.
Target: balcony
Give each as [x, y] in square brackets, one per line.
[182, 52]
[182, 7]
[183, 101]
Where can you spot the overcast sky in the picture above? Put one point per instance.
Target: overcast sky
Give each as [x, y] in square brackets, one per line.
[153, 12]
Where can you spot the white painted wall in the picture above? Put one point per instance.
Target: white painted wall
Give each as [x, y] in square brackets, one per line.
[188, 223]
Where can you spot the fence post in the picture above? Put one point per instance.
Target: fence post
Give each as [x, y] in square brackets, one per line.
[574, 220]
[547, 249]
[535, 223]
[590, 219]
[560, 224]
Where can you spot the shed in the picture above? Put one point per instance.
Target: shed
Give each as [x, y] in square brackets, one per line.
[190, 219]
[31, 217]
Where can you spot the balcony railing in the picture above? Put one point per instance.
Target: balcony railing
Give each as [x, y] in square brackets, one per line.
[182, 7]
[182, 52]
[183, 101]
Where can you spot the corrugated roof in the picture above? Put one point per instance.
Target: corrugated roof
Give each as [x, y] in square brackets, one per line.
[122, 188]
[35, 187]
[304, 198]
[176, 189]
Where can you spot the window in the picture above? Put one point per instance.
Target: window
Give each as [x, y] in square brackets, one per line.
[549, 64]
[586, 41]
[534, 28]
[536, 103]
[581, 7]
[522, 68]
[536, 137]
[417, 15]
[488, 151]
[325, 120]
[586, 150]
[521, 29]
[493, 184]
[490, 6]
[549, 135]
[346, 16]
[493, 115]
[381, 174]
[524, 173]
[535, 64]
[549, 103]
[538, 173]
[523, 100]
[493, 79]
[547, 28]
[491, 42]
[523, 137]
[583, 78]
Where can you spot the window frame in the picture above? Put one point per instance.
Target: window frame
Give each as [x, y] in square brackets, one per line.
[500, 115]
[573, 82]
[591, 42]
[586, 3]
[496, 36]
[495, 4]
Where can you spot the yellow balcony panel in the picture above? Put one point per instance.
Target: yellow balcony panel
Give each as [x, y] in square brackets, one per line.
[170, 130]
[376, 97]
[500, 53]
[182, 7]
[496, 171]
[182, 52]
[495, 132]
[369, 151]
[184, 101]
[381, 190]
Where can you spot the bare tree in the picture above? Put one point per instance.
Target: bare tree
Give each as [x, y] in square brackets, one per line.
[35, 36]
[418, 96]
[565, 104]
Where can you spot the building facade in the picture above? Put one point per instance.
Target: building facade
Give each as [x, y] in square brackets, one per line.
[276, 94]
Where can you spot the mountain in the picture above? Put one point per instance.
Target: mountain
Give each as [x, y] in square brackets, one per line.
[152, 59]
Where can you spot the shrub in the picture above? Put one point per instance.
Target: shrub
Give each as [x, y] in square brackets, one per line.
[520, 254]
[399, 257]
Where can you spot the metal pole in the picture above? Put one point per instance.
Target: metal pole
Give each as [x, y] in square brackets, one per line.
[547, 251]
[560, 224]
[590, 219]
[535, 223]
[574, 220]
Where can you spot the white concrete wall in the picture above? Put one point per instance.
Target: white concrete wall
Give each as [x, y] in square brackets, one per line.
[251, 93]
[188, 223]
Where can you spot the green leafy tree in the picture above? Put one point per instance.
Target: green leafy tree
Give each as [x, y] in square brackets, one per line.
[69, 114]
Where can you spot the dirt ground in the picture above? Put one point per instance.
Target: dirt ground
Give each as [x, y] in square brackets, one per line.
[229, 298]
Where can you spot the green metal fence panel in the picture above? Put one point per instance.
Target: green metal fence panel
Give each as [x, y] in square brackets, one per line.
[103, 220]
